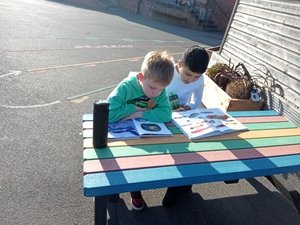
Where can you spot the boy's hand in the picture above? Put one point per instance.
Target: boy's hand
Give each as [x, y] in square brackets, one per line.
[137, 113]
[182, 108]
[134, 115]
[139, 109]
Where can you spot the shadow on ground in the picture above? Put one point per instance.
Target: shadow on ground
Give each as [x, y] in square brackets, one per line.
[207, 38]
[264, 206]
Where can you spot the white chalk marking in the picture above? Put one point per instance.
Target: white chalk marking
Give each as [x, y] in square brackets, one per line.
[11, 72]
[29, 106]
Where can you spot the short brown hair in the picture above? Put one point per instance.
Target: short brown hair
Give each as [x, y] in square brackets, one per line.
[158, 66]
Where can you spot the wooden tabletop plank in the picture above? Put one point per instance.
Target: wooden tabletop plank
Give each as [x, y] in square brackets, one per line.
[88, 142]
[256, 119]
[158, 149]
[253, 113]
[261, 119]
[107, 183]
[114, 164]
[270, 125]
[88, 133]
[89, 116]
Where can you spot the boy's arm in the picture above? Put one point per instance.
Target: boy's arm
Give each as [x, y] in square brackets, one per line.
[196, 97]
[162, 111]
[118, 108]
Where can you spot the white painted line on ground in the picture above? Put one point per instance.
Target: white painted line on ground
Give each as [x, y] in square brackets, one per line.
[82, 64]
[29, 106]
[91, 92]
[90, 63]
[11, 72]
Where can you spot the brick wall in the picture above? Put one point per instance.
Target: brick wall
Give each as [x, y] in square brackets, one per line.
[220, 11]
[169, 12]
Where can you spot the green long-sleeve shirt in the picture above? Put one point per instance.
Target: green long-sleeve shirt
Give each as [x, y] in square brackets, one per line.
[129, 94]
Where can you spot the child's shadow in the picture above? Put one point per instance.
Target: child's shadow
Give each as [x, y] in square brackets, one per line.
[187, 211]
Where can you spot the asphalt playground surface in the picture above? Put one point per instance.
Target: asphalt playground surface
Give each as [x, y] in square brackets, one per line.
[56, 59]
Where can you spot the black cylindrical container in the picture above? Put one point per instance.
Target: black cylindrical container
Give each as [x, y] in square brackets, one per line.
[100, 124]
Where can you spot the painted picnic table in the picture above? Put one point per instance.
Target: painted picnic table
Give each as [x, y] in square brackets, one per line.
[271, 145]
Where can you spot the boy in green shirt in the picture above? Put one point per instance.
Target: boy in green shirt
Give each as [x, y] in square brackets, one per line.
[143, 95]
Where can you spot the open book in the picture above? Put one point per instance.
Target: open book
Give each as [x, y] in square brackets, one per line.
[200, 123]
[135, 128]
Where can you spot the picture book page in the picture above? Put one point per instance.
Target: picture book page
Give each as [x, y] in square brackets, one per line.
[149, 128]
[136, 128]
[192, 124]
[199, 123]
[123, 129]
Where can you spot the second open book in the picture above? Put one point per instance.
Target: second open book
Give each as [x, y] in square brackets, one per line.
[200, 123]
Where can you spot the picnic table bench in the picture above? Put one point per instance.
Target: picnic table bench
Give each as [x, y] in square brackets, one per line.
[271, 145]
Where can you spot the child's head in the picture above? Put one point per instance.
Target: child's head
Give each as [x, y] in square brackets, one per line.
[194, 62]
[156, 73]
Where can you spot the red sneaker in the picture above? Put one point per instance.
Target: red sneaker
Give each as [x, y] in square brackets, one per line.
[137, 200]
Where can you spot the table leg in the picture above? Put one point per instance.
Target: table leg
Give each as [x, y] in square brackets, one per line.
[112, 209]
[114, 198]
[101, 210]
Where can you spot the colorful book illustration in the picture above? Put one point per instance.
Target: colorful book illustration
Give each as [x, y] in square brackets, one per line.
[135, 128]
[200, 123]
